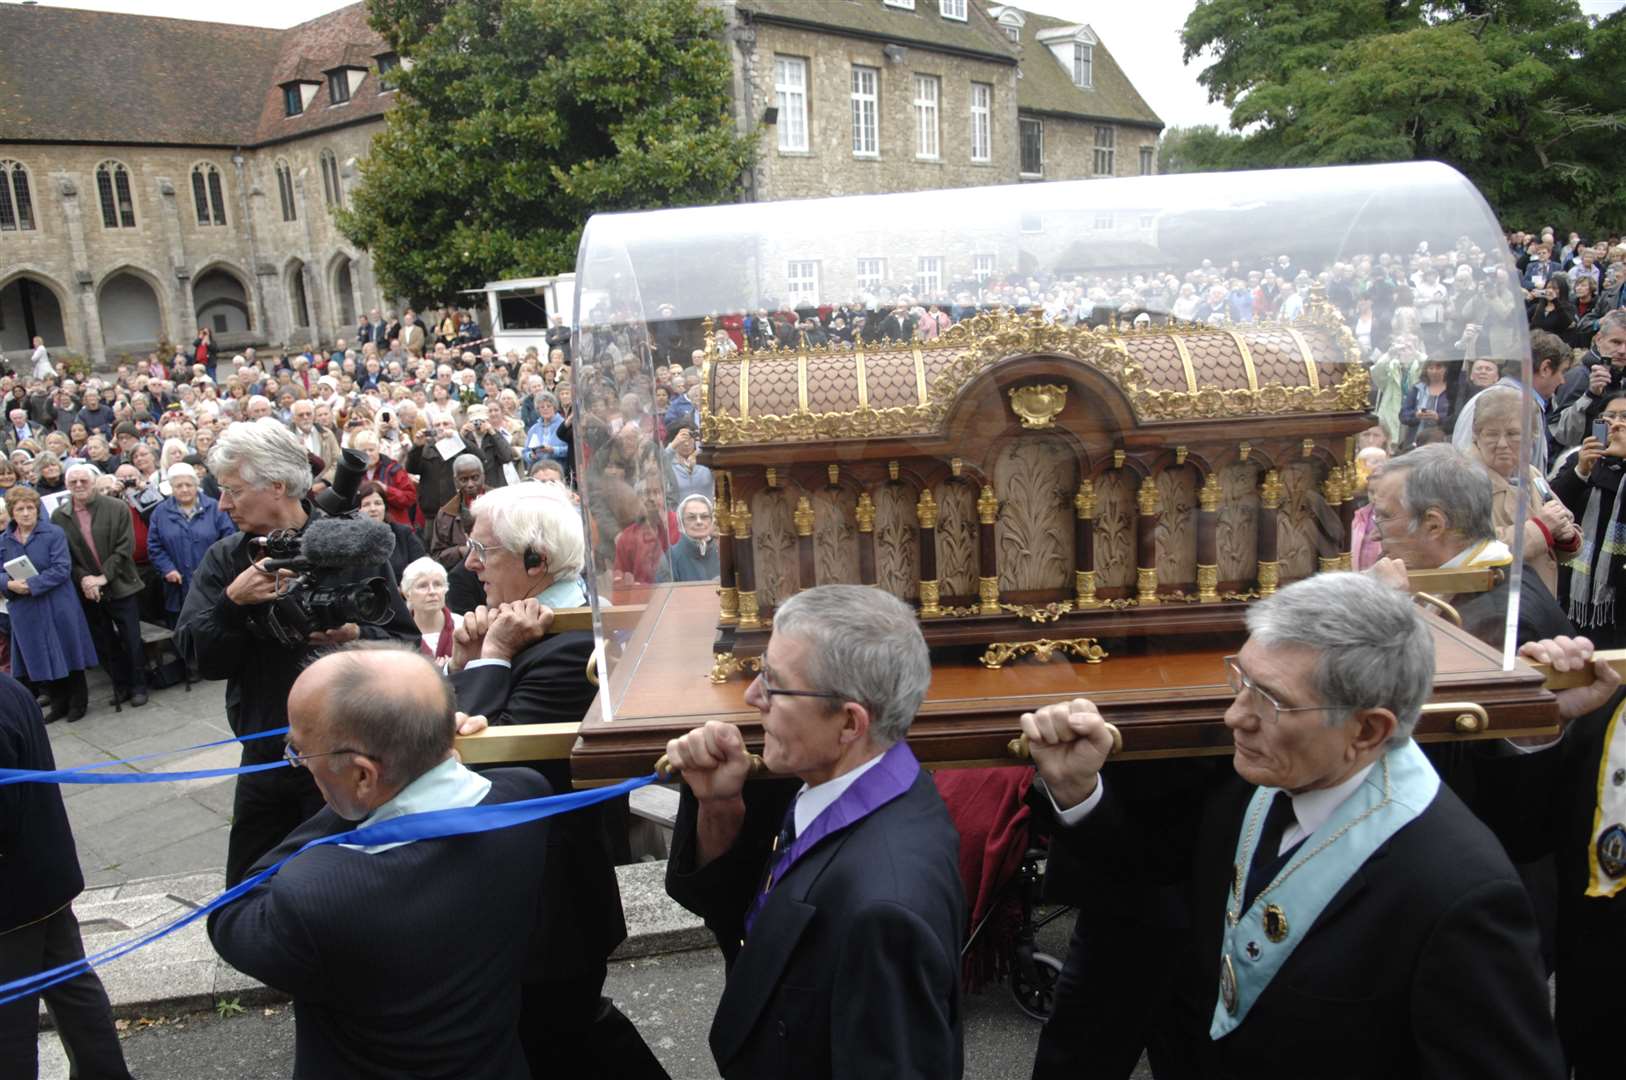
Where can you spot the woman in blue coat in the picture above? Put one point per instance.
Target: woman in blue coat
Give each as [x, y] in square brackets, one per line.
[51, 644]
[182, 529]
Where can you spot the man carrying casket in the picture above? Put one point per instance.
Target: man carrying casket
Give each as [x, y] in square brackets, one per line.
[1351, 918]
[838, 905]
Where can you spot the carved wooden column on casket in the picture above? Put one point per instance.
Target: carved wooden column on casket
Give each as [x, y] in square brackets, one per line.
[926, 517]
[745, 567]
[1146, 543]
[1208, 503]
[866, 538]
[807, 574]
[987, 554]
[728, 594]
[1332, 489]
[1270, 502]
[1084, 546]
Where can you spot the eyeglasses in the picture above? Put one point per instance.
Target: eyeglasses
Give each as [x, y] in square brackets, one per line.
[477, 549]
[771, 691]
[1269, 709]
[291, 754]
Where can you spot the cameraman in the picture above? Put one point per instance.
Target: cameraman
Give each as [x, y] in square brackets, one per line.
[264, 475]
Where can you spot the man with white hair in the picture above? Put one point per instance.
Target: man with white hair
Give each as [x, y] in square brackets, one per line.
[264, 477]
[527, 548]
[1349, 916]
[101, 539]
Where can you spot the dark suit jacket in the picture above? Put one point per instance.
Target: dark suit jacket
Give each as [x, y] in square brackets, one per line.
[1425, 964]
[1484, 615]
[39, 869]
[852, 967]
[404, 963]
[114, 532]
[547, 684]
[1555, 813]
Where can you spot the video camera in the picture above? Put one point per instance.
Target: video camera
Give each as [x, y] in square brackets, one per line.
[314, 601]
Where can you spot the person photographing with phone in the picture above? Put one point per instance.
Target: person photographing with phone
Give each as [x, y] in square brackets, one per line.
[1599, 373]
[1588, 480]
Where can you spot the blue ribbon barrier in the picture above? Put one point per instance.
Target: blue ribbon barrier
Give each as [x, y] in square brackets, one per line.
[430, 825]
[85, 774]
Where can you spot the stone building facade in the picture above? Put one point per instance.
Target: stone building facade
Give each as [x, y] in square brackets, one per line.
[868, 96]
[158, 175]
[864, 96]
[163, 175]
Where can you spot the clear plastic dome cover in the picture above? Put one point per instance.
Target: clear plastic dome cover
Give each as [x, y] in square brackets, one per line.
[1111, 411]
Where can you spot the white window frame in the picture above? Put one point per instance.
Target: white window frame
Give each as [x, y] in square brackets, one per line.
[1083, 65]
[928, 129]
[982, 268]
[1147, 222]
[866, 111]
[928, 277]
[790, 96]
[1038, 126]
[1105, 220]
[871, 273]
[1148, 160]
[802, 280]
[907, 5]
[982, 122]
[1012, 32]
[953, 9]
[1105, 158]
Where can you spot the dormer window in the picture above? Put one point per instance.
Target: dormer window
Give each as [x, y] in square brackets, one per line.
[1083, 64]
[338, 86]
[297, 95]
[1010, 20]
[1014, 33]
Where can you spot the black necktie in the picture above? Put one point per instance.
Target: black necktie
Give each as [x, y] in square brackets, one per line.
[1265, 858]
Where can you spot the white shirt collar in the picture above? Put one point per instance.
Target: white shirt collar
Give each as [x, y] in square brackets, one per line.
[813, 801]
[1484, 553]
[1313, 808]
[445, 787]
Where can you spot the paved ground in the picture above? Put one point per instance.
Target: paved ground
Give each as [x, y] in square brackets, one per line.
[670, 998]
[126, 831]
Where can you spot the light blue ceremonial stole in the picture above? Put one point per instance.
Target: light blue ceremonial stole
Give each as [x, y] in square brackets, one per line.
[1258, 942]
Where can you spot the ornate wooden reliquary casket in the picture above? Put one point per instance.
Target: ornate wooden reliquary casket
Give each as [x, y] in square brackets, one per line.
[1028, 486]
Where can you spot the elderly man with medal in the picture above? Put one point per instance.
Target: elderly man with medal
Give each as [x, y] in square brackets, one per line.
[1351, 917]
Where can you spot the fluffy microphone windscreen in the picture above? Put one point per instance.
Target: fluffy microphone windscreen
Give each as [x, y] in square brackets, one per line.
[336, 542]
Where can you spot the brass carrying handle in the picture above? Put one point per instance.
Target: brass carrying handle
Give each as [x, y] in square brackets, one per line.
[1018, 747]
[1471, 716]
[1435, 602]
[664, 767]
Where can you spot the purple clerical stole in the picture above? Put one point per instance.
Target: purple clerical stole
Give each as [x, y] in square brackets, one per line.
[893, 775]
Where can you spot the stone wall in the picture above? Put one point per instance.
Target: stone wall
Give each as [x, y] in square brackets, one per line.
[143, 275]
[1069, 148]
[829, 166]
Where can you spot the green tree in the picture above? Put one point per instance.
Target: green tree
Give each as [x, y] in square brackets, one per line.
[1202, 148]
[1504, 90]
[517, 119]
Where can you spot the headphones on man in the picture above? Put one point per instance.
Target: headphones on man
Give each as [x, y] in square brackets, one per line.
[532, 559]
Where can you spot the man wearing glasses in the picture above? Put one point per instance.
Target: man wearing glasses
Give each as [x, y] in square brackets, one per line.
[264, 475]
[1349, 916]
[527, 547]
[1431, 509]
[357, 935]
[837, 901]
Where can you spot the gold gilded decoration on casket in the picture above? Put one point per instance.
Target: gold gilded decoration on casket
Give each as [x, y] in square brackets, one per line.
[1038, 406]
[1000, 653]
[726, 664]
[988, 595]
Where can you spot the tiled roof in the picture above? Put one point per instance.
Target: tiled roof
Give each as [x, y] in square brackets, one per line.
[1048, 87]
[92, 76]
[924, 25]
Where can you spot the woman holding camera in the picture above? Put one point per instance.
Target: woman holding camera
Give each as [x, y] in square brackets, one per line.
[51, 644]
